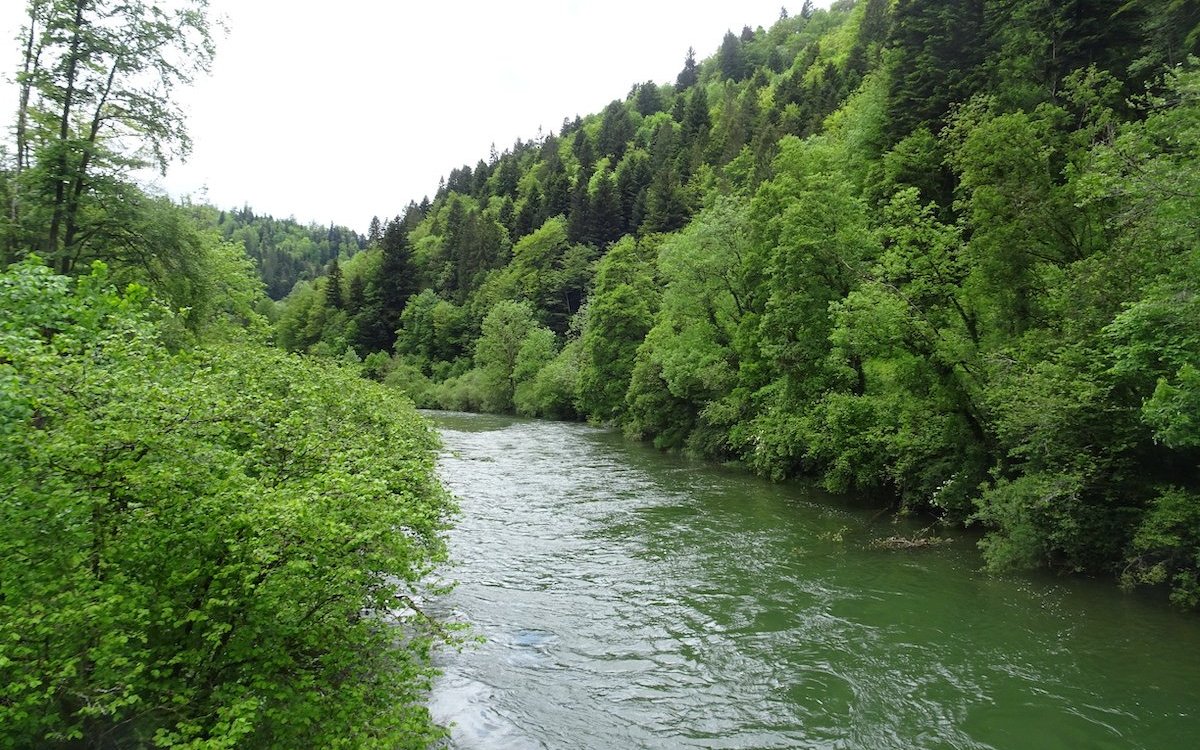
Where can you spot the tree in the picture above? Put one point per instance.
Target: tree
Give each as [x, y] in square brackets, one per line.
[648, 99]
[395, 283]
[94, 105]
[938, 48]
[731, 58]
[618, 315]
[496, 353]
[605, 210]
[333, 286]
[690, 74]
[616, 130]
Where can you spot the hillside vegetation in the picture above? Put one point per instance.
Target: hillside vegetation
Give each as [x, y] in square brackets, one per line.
[940, 252]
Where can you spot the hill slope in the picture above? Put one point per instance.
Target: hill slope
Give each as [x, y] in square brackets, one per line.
[944, 252]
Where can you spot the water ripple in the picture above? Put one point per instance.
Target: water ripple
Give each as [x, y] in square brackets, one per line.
[633, 600]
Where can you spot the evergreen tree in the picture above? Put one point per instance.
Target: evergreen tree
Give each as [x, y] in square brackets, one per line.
[508, 176]
[605, 211]
[356, 299]
[396, 282]
[582, 148]
[690, 75]
[333, 286]
[939, 45]
[579, 222]
[648, 99]
[696, 119]
[616, 130]
[731, 58]
[529, 217]
[666, 209]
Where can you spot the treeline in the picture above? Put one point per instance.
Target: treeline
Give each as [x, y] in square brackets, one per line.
[942, 252]
[283, 250]
[207, 542]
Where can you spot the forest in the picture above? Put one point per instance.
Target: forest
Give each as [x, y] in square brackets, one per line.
[943, 253]
[939, 252]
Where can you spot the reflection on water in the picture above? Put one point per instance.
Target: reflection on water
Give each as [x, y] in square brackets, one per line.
[633, 600]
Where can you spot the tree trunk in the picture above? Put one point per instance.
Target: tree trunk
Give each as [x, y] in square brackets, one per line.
[64, 132]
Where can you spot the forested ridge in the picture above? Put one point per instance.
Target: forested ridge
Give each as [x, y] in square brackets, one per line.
[205, 542]
[943, 252]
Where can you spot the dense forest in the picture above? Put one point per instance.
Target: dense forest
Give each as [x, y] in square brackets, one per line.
[206, 542]
[944, 252]
[283, 250]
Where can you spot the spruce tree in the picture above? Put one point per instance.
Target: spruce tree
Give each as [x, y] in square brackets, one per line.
[939, 45]
[731, 59]
[579, 222]
[648, 99]
[690, 74]
[605, 211]
[333, 286]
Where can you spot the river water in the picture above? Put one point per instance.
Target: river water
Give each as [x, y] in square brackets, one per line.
[628, 599]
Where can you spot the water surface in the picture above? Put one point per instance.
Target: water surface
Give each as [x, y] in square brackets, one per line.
[629, 599]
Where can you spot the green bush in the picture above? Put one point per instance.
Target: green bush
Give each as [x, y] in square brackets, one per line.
[204, 549]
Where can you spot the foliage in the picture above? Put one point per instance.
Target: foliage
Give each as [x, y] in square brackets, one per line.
[942, 253]
[204, 548]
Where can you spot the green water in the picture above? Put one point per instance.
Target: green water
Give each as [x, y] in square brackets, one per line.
[634, 600]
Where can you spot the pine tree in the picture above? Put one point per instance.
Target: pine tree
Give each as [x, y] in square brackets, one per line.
[396, 282]
[696, 119]
[648, 99]
[579, 222]
[939, 45]
[605, 211]
[529, 216]
[333, 286]
[666, 210]
[731, 59]
[690, 74]
[508, 175]
[616, 130]
[582, 148]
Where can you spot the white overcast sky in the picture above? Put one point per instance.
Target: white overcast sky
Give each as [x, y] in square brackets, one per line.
[344, 110]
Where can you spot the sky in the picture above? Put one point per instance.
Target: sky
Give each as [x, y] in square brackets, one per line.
[337, 112]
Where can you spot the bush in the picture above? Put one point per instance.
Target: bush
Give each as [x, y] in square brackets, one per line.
[203, 549]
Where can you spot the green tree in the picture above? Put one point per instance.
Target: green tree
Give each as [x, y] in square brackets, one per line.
[94, 106]
[731, 58]
[498, 350]
[690, 75]
[619, 314]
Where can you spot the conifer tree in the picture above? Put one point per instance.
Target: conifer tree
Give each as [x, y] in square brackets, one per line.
[648, 99]
[333, 286]
[731, 59]
[690, 75]
[616, 130]
[579, 222]
[605, 211]
[939, 46]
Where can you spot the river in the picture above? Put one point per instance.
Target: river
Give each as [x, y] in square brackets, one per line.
[629, 599]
